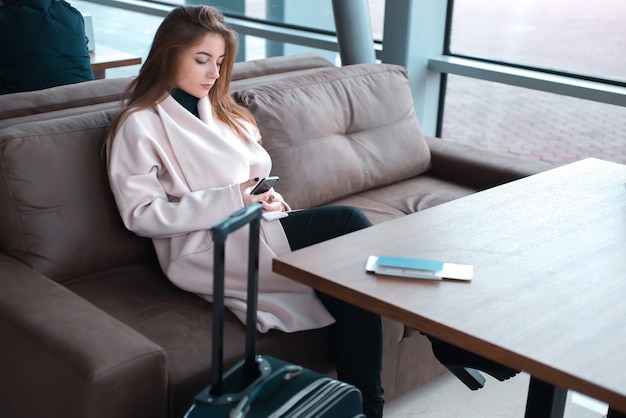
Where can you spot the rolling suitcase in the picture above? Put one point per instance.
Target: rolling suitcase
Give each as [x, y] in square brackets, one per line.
[262, 386]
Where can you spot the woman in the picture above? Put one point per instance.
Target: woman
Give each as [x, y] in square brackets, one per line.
[183, 155]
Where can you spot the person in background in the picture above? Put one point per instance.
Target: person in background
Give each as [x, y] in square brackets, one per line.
[44, 45]
[182, 155]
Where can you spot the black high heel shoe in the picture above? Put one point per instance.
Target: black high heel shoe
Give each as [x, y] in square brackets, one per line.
[466, 365]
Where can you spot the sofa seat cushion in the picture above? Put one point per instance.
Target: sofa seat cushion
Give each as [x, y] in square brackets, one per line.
[333, 132]
[404, 197]
[140, 296]
[143, 298]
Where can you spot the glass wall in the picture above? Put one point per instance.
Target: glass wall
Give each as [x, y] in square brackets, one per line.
[531, 124]
[316, 15]
[586, 37]
[132, 31]
[565, 36]
[121, 30]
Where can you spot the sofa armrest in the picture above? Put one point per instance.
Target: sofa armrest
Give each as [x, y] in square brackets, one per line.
[475, 167]
[61, 356]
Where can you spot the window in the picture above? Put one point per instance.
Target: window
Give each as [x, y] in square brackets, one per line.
[314, 15]
[118, 26]
[121, 30]
[586, 37]
[567, 37]
[531, 124]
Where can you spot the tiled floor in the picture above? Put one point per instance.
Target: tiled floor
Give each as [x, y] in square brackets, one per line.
[446, 397]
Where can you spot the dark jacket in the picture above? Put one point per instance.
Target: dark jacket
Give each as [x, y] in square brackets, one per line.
[43, 45]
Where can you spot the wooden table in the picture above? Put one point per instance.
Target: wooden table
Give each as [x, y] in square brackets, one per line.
[103, 58]
[549, 290]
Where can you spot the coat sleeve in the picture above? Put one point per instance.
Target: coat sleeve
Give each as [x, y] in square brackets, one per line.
[151, 194]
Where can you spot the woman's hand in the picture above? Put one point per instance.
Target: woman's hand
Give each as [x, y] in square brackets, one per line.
[272, 201]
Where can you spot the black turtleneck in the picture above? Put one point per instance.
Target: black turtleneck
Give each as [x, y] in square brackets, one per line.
[186, 100]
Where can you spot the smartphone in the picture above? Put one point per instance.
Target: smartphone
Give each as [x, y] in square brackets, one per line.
[265, 184]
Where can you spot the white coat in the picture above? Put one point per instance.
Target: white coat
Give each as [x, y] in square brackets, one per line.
[174, 176]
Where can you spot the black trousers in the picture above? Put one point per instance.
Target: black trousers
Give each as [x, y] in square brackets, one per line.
[356, 336]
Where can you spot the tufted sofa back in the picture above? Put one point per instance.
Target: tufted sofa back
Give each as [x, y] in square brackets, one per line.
[57, 213]
[333, 132]
[91, 96]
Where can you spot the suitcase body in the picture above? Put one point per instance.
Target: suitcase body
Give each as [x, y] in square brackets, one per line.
[262, 386]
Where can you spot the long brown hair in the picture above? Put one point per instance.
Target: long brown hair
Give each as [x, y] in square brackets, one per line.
[182, 27]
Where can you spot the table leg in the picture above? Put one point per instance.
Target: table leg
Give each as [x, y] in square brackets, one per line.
[545, 400]
[99, 74]
[614, 414]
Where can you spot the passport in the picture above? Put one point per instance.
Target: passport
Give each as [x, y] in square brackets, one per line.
[418, 268]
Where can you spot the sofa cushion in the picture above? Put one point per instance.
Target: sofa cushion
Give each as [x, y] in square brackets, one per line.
[404, 197]
[332, 132]
[57, 213]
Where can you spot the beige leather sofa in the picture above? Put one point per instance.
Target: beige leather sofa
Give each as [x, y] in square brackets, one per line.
[91, 327]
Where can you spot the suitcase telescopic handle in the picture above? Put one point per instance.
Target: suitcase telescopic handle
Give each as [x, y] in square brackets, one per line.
[236, 220]
[248, 215]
